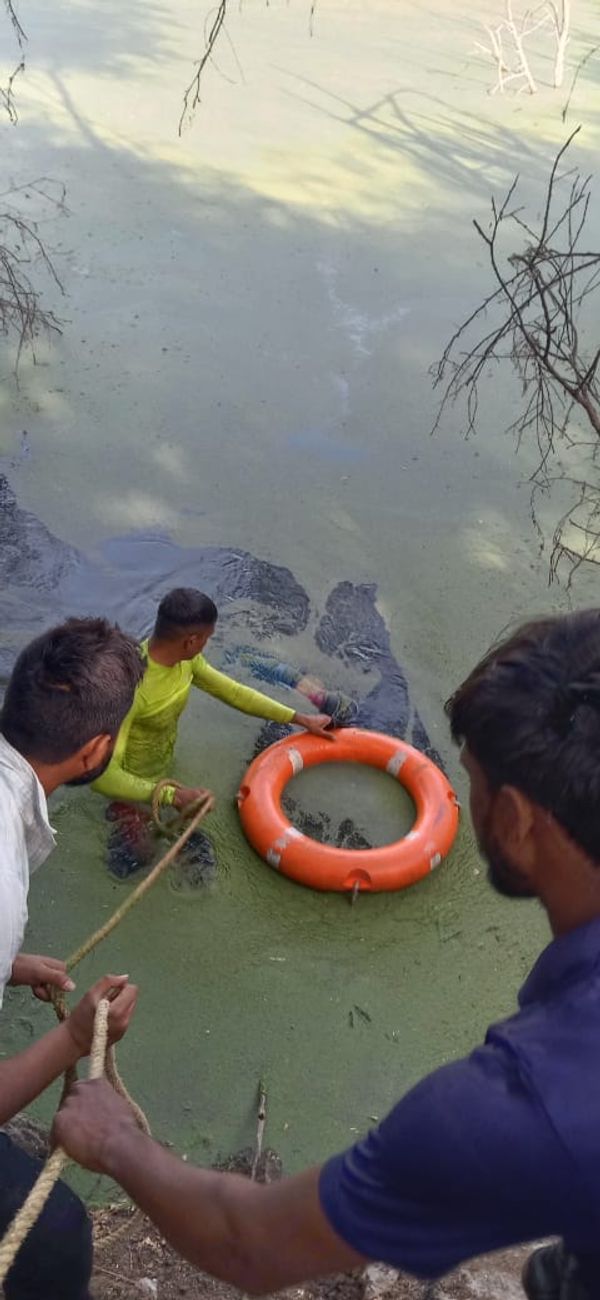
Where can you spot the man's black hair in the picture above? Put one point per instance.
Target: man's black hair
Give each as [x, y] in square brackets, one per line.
[182, 610]
[73, 683]
[529, 714]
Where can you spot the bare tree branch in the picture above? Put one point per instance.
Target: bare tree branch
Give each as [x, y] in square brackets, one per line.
[16, 26]
[23, 319]
[7, 95]
[580, 66]
[191, 97]
[508, 48]
[560, 14]
[538, 294]
[214, 26]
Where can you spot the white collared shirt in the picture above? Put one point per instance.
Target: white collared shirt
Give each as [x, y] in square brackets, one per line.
[26, 840]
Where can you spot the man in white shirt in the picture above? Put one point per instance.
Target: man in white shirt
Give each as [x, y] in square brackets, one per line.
[66, 699]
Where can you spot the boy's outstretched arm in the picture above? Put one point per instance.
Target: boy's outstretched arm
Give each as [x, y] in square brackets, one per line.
[247, 700]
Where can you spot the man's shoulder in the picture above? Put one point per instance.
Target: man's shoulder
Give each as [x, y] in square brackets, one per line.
[565, 1027]
[435, 1123]
[199, 668]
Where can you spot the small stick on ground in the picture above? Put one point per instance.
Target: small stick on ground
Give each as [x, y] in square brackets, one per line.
[261, 1119]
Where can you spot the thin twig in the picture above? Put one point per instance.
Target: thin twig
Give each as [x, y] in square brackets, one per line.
[261, 1119]
[191, 97]
[16, 25]
[7, 96]
[579, 68]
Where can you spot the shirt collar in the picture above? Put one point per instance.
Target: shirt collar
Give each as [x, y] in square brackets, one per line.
[32, 803]
[568, 959]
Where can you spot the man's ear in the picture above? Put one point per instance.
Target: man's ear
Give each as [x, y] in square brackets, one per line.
[513, 822]
[95, 752]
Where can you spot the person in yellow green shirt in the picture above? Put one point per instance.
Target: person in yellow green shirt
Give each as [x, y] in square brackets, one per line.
[185, 622]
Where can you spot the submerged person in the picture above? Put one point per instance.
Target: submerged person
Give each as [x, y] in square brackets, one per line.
[66, 698]
[499, 1148]
[174, 662]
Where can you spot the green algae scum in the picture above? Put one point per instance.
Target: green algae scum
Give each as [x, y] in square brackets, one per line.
[240, 401]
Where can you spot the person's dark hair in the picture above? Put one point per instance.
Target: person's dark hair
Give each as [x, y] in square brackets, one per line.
[181, 610]
[530, 715]
[72, 683]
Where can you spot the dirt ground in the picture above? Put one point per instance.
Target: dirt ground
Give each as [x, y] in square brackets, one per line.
[132, 1259]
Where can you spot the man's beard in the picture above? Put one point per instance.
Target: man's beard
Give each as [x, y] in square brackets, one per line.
[86, 778]
[503, 876]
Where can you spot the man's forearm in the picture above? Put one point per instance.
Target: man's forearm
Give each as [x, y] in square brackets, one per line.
[259, 1238]
[25, 1076]
[201, 1217]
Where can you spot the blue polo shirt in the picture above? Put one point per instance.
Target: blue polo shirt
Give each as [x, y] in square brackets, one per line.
[499, 1148]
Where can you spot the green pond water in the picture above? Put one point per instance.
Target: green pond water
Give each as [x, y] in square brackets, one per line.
[249, 317]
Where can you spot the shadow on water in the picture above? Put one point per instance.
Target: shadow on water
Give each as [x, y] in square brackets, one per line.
[43, 578]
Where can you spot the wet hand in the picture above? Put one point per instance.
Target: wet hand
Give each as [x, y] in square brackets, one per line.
[39, 972]
[186, 795]
[317, 723]
[92, 1119]
[122, 997]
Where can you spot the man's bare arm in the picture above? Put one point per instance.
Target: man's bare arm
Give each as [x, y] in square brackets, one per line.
[260, 1238]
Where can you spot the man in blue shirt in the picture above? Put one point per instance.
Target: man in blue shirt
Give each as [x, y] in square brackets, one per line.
[499, 1148]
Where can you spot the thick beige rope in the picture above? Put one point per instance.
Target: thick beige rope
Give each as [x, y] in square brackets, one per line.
[198, 811]
[36, 1200]
[102, 1059]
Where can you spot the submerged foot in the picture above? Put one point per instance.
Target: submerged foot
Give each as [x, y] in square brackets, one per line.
[131, 841]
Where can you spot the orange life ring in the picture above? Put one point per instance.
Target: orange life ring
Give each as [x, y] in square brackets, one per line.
[394, 866]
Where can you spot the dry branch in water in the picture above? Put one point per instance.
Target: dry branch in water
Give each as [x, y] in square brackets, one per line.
[22, 317]
[560, 14]
[191, 97]
[16, 26]
[7, 93]
[537, 301]
[213, 28]
[507, 43]
[578, 70]
[261, 1119]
